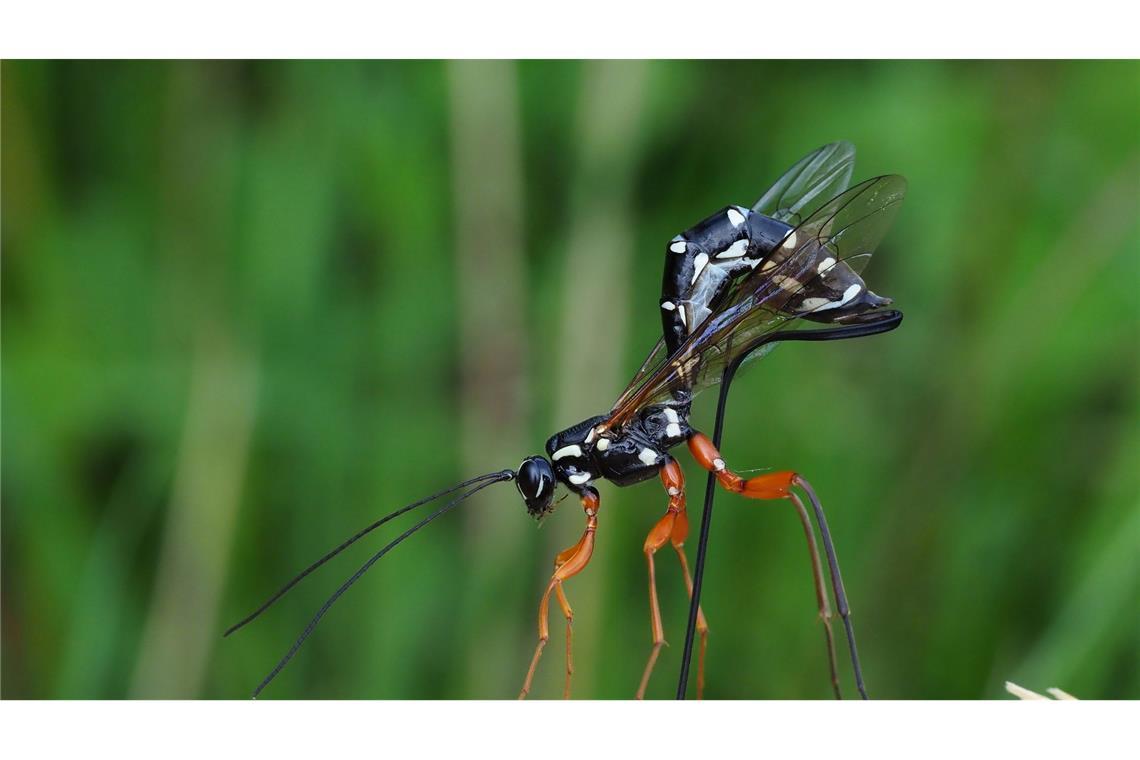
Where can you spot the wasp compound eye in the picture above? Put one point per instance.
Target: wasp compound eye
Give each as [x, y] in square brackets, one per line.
[535, 482]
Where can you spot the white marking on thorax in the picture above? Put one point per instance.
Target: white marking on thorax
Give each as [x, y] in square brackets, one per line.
[673, 430]
[567, 451]
[734, 251]
[649, 456]
[580, 478]
[671, 414]
[698, 265]
[603, 444]
[681, 312]
[678, 247]
[590, 436]
[735, 217]
[668, 306]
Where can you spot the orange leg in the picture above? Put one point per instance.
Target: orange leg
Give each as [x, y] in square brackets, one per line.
[776, 485]
[569, 567]
[674, 528]
[680, 533]
[562, 558]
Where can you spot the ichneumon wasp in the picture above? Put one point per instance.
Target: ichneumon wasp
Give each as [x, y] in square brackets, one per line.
[735, 284]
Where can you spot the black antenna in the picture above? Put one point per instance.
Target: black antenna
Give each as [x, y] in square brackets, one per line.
[868, 324]
[494, 478]
[285, 589]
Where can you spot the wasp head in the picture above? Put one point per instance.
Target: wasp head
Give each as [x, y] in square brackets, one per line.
[535, 481]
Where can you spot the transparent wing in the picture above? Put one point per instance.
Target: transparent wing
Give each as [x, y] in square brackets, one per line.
[841, 235]
[815, 179]
[656, 356]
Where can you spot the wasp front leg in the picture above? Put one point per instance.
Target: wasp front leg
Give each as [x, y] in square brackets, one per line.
[567, 612]
[568, 564]
[778, 485]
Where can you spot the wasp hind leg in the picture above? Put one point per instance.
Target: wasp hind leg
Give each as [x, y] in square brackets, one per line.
[673, 527]
[568, 564]
[778, 485]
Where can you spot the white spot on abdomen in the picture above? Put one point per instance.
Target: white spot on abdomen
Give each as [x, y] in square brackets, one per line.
[734, 251]
[811, 304]
[826, 264]
[567, 451]
[698, 265]
[673, 430]
[790, 240]
[790, 284]
[671, 414]
[649, 456]
[822, 304]
[603, 444]
[580, 478]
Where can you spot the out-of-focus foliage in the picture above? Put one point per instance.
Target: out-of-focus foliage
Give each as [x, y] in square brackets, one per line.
[249, 307]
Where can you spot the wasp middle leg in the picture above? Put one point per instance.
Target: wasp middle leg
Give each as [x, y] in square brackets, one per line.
[568, 564]
[778, 485]
[673, 528]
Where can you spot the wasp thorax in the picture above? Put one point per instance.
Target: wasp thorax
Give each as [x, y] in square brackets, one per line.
[535, 481]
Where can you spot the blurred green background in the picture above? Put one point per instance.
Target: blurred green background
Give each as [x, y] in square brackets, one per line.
[247, 308]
